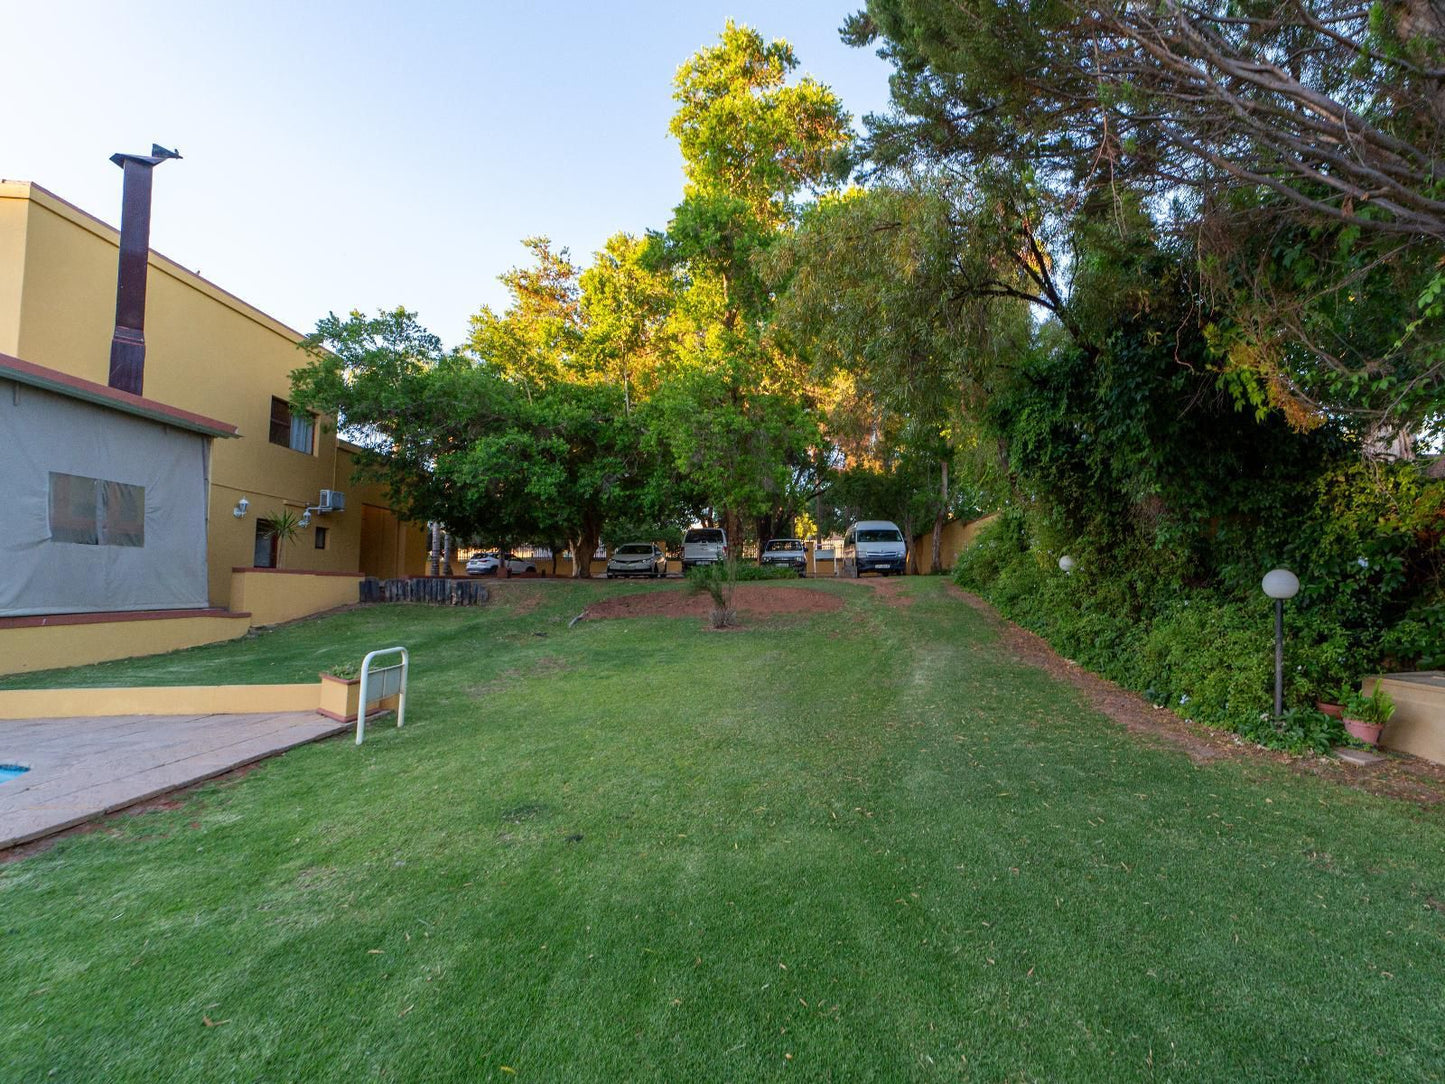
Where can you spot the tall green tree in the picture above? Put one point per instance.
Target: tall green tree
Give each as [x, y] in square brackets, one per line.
[739, 420]
[624, 308]
[874, 284]
[536, 341]
[1295, 146]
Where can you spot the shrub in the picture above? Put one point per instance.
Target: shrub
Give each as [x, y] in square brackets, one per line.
[1299, 730]
[763, 572]
[717, 582]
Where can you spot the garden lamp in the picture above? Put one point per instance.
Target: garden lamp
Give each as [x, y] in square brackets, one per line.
[1068, 564]
[1279, 584]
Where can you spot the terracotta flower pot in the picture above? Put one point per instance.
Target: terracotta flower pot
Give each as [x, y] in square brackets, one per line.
[1334, 711]
[1369, 733]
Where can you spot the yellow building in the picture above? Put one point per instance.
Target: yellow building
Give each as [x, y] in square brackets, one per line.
[211, 354]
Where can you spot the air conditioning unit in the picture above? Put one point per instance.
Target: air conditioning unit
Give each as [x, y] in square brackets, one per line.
[332, 500]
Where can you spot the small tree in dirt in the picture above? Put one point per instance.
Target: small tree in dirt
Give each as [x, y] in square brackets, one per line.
[283, 526]
[718, 582]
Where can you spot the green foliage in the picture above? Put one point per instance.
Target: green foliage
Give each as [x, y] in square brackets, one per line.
[718, 582]
[1322, 267]
[1203, 654]
[747, 134]
[1299, 730]
[1377, 709]
[283, 526]
[750, 572]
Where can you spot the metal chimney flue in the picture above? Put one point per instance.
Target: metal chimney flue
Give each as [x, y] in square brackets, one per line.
[128, 346]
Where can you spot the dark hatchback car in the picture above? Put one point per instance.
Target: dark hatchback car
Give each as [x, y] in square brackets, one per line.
[785, 553]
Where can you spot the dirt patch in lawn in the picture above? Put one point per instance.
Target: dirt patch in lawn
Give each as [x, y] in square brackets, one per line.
[889, 590]
[1394, 775]
[753, 599]
[517, 596]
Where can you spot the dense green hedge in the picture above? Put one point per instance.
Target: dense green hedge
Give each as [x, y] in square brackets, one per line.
[1205, 655]
[740, 572]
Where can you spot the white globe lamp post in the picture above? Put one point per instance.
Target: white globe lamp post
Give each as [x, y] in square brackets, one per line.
[1067, 564]
[1279, 584]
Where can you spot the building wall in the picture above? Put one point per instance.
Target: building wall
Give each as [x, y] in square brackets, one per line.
[14, 214]
[206, 351]
[387, 547]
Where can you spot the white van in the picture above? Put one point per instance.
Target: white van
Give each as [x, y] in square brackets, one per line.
[873, 545]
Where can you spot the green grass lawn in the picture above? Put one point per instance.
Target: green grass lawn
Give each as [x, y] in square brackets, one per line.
[865, 845]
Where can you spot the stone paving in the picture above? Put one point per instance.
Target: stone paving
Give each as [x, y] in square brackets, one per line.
[82, 768]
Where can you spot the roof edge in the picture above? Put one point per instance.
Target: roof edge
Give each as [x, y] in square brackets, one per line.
[61, 206]
[74, 387]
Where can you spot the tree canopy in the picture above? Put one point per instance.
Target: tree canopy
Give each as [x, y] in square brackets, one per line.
[1161, 282]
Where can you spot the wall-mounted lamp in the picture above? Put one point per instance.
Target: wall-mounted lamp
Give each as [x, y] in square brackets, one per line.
[305, 520]
[1067, 564]
[240, 510]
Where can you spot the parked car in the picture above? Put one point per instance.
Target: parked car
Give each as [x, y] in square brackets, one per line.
[637, 559]
[874, 545]
[486, 564]
[785, 553]
[703, 546]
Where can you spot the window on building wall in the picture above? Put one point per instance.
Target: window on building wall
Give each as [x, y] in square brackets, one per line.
[95, 512]
[292, 429]
[321, 538]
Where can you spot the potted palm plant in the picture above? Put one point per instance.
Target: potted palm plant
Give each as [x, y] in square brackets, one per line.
[1366, 716]
[283, 526]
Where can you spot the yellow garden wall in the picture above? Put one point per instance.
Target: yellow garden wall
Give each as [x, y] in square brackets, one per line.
[958, 535]
[29, 647]
[275, 595]
[1418, 726]
[158, 700]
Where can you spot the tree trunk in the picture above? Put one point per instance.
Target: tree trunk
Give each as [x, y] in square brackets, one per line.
[583, 547]
[733, 528]
[911, 567]
[938, 520]
[449, 550]
[434, 557]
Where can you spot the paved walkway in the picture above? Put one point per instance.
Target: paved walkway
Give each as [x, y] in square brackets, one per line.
[81, 768]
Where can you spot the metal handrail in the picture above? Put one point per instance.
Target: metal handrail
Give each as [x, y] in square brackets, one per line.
[401, 691]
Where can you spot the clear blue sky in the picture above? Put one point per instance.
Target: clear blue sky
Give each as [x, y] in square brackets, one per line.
[361, 155]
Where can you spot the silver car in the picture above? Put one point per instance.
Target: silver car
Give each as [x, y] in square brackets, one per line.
[637, 559]
[785, 553]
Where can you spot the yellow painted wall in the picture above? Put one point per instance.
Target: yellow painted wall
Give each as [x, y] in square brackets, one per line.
[271, 597]
[1418, 726]
[386, 546]
[158, 700]
[13, 218]
[45, 647]
[599, 568]
[206, 351]
[958, 535]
